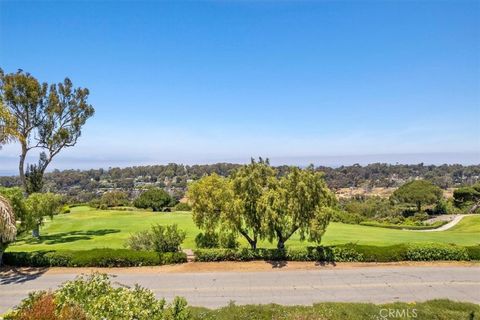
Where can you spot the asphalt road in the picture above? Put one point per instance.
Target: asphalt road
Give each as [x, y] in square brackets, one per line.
[289, 287]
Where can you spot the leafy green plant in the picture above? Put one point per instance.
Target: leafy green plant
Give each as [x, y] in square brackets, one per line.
[428, 252]
[142, 240]
[207, 240]
[154, 198]
[160, 239]
[210, 240]
[94, 297]
[182, 206]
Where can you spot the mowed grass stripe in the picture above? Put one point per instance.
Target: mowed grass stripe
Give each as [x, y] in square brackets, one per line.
[87, 228]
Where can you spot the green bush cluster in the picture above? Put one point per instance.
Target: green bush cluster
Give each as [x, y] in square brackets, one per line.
[159, 238]
[182, 206]
[346, 217]
[110, 199]
[434, 225]
[473, 252]
[154, 198]
[431, 252]
[92, 258]
[346, 253]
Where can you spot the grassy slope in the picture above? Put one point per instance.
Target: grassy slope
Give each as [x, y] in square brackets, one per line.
[86, 228]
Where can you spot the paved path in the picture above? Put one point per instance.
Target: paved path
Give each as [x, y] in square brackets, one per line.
[448, 225]
[214, 289]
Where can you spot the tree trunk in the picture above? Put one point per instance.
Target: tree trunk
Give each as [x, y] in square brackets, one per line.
[251, 242]
[21, 166]
[36, 232]
[2, 249]
[419, 206]
[474, 208]
[281, 240]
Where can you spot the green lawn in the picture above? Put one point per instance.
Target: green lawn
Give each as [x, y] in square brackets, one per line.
[87, 228]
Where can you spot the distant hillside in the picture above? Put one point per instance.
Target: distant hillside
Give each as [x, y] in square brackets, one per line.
[85, 184]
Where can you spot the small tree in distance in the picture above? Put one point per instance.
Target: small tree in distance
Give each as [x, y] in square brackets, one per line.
[418, 193]
[155, 198]
[468, 196]
[40, 205]
[114, 198]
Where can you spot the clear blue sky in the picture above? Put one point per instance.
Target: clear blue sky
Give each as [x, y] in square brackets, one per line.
[194, 82]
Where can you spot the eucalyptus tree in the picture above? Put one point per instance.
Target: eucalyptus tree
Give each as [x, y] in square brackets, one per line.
[45, 117]
[7, 125]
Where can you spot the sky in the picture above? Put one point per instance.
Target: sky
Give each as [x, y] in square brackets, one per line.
[321, 82]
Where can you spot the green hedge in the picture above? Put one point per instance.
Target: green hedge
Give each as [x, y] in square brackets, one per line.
[434, 252]
[473, 252]
[435, 225]
[341, 253]
[346, 253]
[92, 258]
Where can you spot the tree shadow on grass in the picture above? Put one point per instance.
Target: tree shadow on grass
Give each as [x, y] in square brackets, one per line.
[325, 263]
[72, 236]
[19, 275]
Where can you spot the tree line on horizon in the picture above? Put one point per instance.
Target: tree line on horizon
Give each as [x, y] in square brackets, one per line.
[84, 184]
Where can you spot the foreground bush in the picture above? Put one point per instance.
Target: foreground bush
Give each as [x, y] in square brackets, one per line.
[346, 253]
[94, 297]
[92, 258]
[160, 239]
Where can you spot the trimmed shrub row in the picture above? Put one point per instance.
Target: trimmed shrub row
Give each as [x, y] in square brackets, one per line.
[346, 253]
[435, 225]
[92, 258]
[341, 253]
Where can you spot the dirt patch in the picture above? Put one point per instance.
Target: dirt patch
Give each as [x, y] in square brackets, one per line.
[253, 266]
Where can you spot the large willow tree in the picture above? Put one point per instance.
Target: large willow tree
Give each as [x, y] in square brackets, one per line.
[257, 204]
[8, 230]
